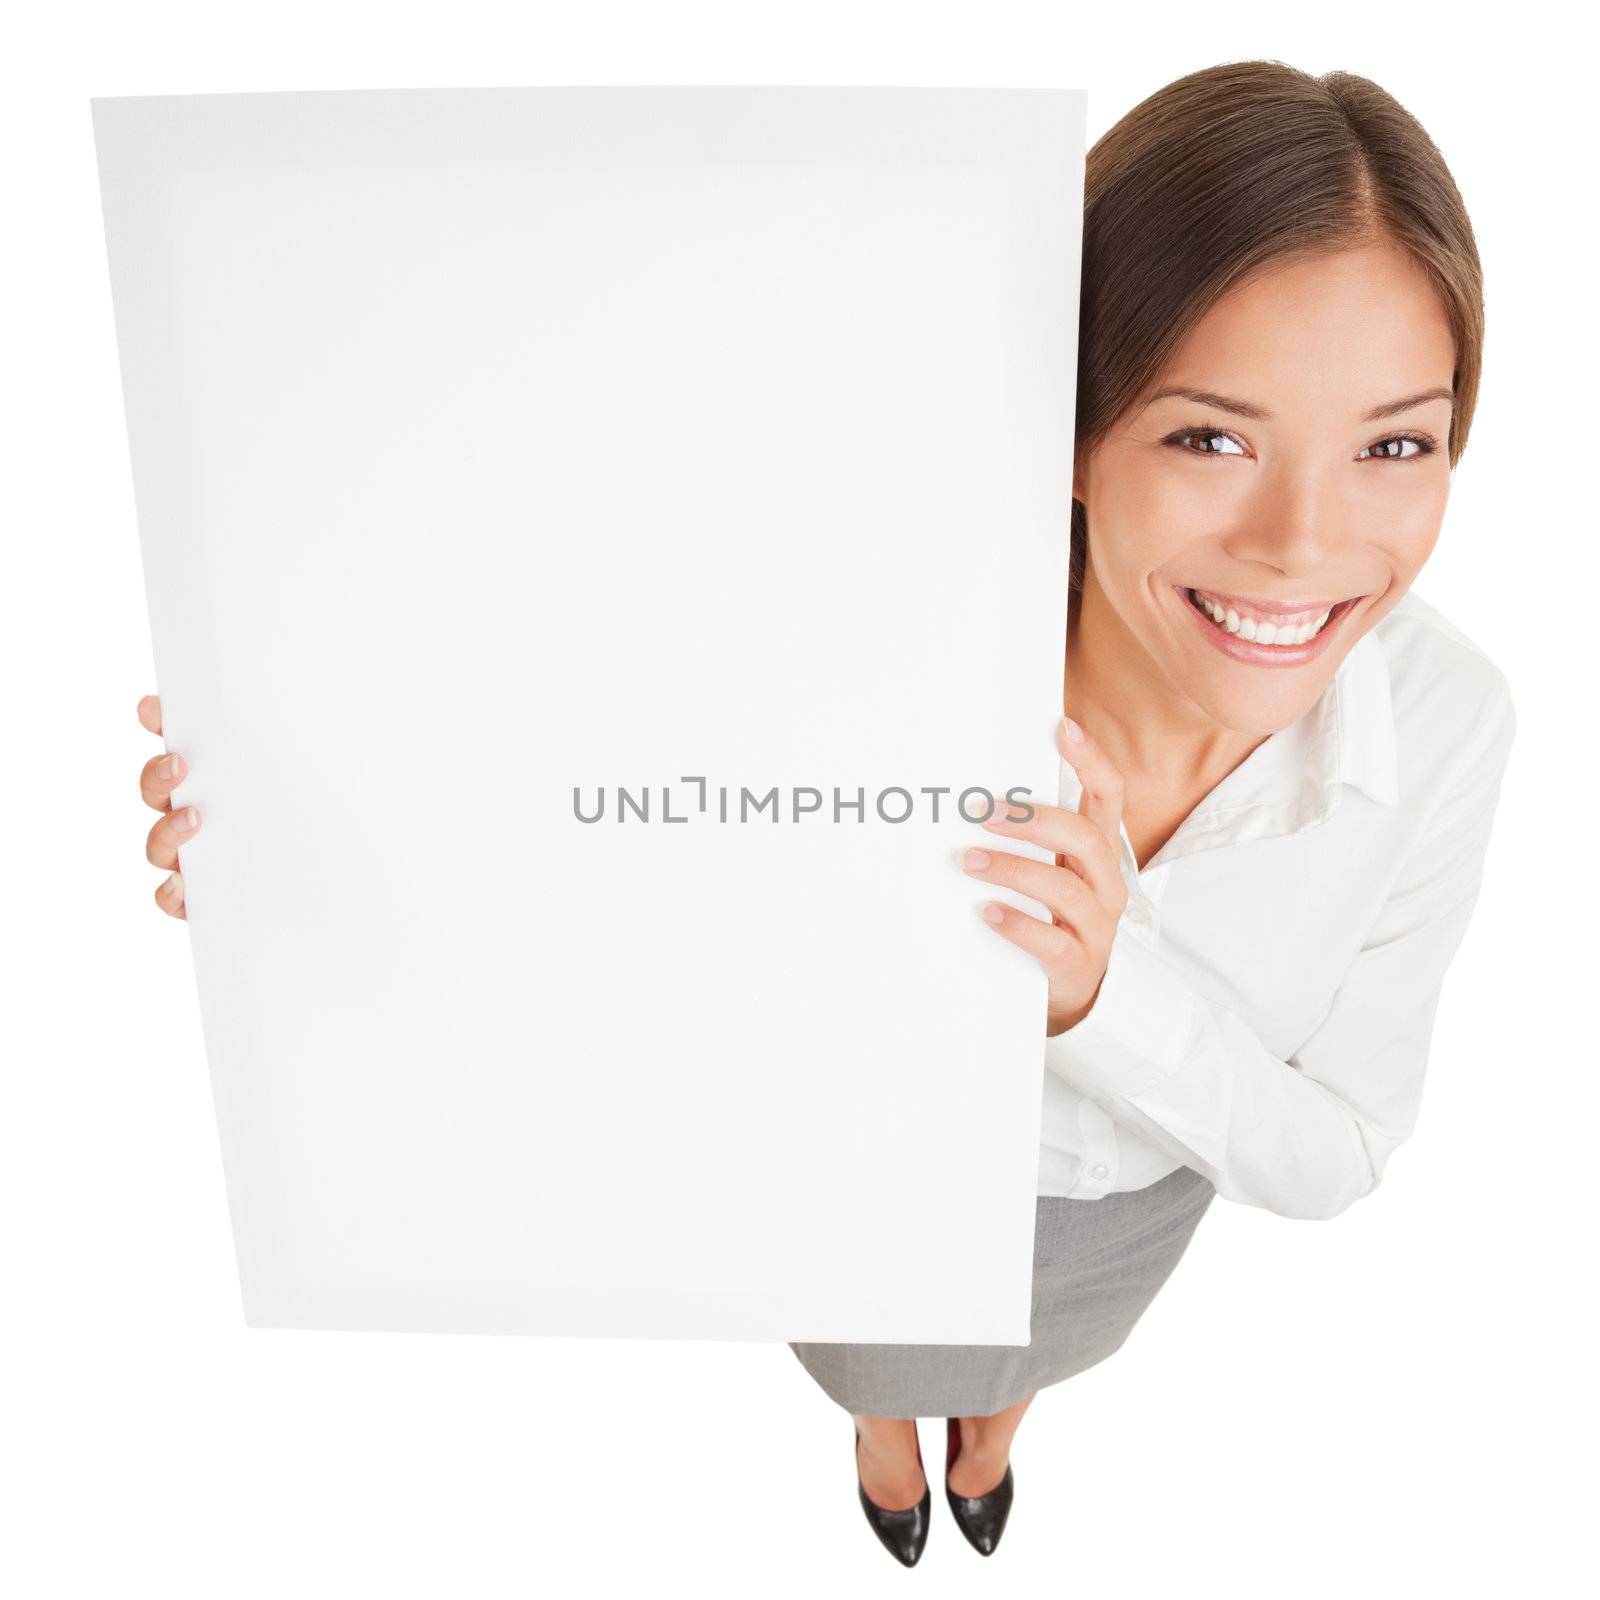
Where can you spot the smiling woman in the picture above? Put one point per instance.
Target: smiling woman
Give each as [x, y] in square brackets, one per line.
[1280, 341]
[1278, 536]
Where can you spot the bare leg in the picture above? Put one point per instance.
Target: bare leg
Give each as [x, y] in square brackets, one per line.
[887, 1461]
[985, 1450]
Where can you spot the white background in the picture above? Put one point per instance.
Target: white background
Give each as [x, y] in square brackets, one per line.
[1397, 1401]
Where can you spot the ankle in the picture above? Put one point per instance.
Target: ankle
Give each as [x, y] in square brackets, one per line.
[982, 1445]
[889, 1437]
[889, 1448]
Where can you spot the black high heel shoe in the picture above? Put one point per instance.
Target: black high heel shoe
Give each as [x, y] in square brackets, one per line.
[982, 1518]
[902, 1533]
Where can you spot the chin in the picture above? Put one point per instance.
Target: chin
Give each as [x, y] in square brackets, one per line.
[1266, 706]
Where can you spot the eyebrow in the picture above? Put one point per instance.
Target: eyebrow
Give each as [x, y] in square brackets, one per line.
[1243, 408]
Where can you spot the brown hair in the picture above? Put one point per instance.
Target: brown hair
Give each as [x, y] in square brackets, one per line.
[1226, 170]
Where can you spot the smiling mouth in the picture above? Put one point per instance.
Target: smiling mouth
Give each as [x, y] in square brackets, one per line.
[1285, 629]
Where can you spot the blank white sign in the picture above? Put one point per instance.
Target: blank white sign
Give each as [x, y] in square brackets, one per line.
[498, 451]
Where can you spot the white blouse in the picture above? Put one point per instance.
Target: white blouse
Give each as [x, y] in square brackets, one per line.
[1266, 1013]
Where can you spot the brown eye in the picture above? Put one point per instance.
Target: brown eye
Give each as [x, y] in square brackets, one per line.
[1393, 448]
[1216, 442]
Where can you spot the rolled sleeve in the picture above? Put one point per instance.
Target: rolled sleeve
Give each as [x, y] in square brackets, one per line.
[1140, 1031]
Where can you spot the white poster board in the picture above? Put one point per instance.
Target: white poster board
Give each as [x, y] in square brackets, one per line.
[494, 450]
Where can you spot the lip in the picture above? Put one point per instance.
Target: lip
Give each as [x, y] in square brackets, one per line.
[1265, 655]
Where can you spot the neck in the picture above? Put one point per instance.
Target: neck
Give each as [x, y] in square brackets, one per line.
[1153, 732]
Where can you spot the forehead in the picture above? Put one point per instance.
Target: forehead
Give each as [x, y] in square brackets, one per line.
[1358, 327]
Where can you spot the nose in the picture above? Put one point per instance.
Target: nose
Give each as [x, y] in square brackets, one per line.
[1292, 524]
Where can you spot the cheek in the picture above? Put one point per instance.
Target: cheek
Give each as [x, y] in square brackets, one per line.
[1403, 520]
[1145, 515]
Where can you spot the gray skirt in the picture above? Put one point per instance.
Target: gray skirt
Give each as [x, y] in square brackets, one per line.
[1096, 1265]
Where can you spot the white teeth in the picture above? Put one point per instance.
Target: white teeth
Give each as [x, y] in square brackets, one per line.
[1248, 627]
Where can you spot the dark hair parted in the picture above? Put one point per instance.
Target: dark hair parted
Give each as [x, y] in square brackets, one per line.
[1227, 170]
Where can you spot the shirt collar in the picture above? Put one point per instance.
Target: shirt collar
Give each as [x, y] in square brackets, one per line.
[1296, 777]
[1365, 701]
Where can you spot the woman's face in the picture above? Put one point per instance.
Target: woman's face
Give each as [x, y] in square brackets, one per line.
[1304, 473]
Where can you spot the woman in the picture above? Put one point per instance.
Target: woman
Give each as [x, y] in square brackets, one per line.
[1272, 835]
[1279, 769]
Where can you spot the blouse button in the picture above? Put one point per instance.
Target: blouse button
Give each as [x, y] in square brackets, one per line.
[1099, 1171]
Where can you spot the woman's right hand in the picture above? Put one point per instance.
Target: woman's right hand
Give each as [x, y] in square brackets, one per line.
[160, 776]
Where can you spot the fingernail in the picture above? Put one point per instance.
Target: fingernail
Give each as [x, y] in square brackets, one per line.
[170, 886]
[975, 860]
[168, 768]
[993, 913]
[1073, 732]
[186, 819]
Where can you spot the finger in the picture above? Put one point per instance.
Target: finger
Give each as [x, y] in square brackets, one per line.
[1083, 845]
[159, 776]
[169, 895]
[1062, 891]
[1050, 945]
[177, 828]
[150, 713]
[1101, 800]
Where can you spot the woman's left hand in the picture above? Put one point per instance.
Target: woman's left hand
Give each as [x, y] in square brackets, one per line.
[1084, 890]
